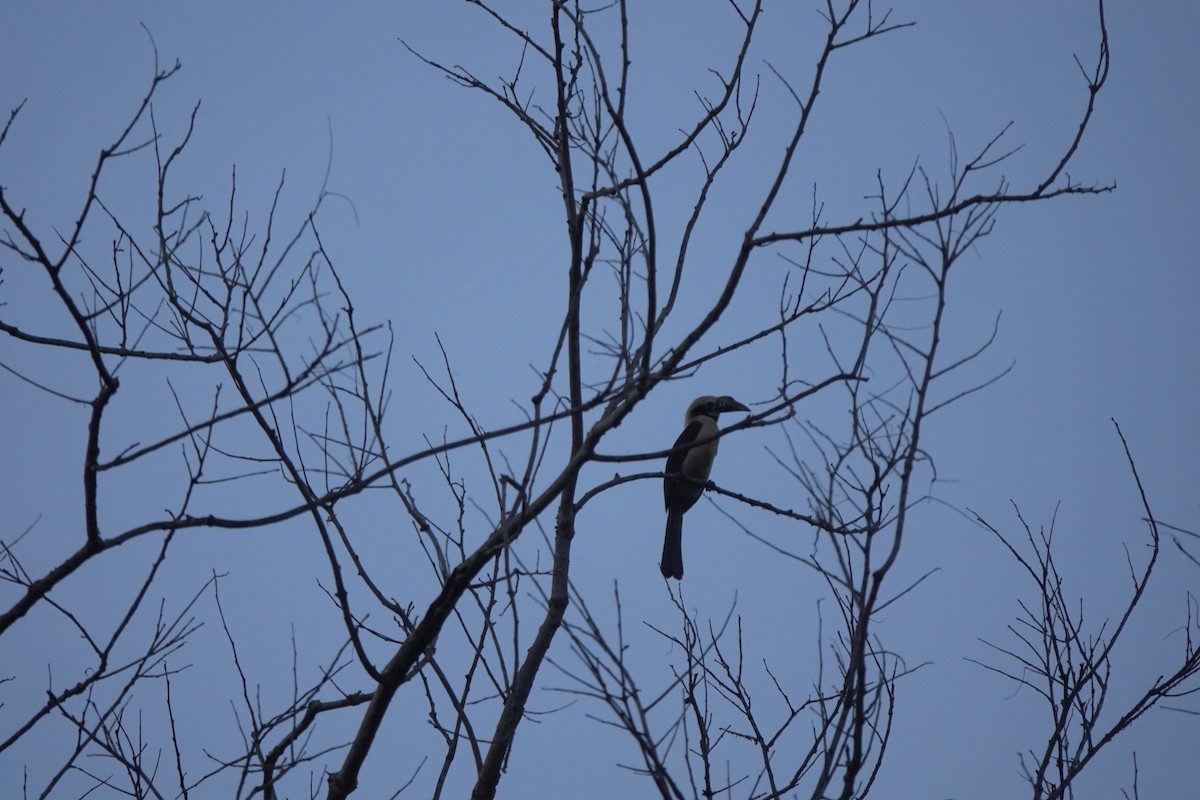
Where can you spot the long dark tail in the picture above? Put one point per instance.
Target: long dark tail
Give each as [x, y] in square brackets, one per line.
[672, 557]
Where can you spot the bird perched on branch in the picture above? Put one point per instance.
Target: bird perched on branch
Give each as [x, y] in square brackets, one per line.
[687, 471]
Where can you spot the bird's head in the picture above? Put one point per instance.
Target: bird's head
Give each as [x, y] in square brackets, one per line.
[712, 406]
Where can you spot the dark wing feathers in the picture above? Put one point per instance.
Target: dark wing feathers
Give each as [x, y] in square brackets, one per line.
[675, 460]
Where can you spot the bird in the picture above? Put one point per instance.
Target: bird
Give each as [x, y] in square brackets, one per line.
[688, 468]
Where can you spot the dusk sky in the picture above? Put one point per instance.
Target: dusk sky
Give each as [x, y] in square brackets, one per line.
[445, 221]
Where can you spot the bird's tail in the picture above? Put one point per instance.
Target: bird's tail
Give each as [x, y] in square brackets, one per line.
[672, 557]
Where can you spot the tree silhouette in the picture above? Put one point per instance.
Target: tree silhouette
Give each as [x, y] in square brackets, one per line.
[285, 415]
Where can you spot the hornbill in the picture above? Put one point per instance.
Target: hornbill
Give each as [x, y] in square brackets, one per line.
[687, 472]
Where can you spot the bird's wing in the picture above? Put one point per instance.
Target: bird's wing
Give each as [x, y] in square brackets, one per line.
[675, 460]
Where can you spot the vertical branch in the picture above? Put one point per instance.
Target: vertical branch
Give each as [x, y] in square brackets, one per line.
[566, 78]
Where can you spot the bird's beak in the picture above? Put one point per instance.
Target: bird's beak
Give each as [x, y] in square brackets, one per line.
[727, 403]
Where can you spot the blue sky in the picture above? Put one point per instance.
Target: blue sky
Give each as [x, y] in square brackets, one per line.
[445, 222]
